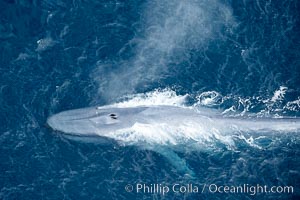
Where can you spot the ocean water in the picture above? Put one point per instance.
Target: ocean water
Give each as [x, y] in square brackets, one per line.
[237, 58]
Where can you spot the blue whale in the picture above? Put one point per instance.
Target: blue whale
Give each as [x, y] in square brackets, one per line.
[162, 128]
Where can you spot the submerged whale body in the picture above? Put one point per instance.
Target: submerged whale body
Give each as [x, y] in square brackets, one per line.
[160, 127]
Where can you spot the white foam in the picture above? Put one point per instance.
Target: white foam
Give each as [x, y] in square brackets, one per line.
[156, 97]
[209, 98]
[279, 94]
[293, 105]
[44, 44]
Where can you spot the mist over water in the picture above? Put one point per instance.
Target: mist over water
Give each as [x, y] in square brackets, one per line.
[167, 33]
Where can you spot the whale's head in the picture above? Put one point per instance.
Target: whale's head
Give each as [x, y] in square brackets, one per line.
[95, 120]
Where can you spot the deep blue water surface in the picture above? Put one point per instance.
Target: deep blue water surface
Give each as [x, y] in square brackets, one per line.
[242, 57]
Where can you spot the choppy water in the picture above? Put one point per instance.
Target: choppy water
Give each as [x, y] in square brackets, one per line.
[240, 58]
